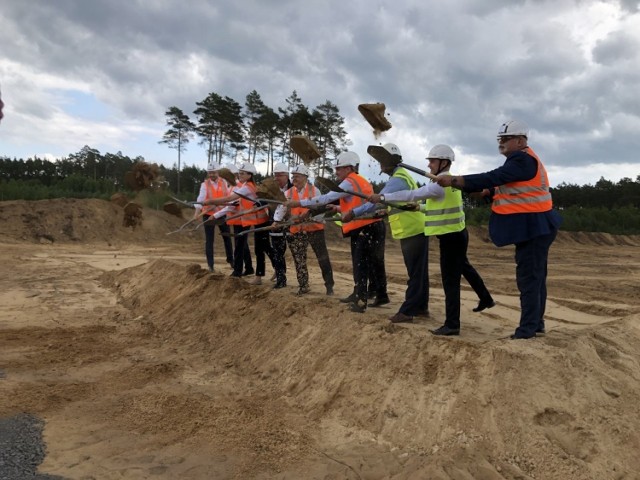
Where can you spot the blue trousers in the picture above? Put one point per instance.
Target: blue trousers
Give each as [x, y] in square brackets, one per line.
[531, 277]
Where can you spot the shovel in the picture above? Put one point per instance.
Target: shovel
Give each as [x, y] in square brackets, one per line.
[418, 171]
[315, 219]
[259, 200]
[221, 220]
[334, 187]
[183, 226]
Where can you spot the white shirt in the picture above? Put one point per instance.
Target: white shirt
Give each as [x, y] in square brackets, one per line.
[430, 190]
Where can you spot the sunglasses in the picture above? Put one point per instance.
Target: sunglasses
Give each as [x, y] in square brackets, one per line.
[506, 138]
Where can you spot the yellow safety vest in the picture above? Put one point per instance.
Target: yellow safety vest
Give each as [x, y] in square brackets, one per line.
[406, 224]
[446, 215]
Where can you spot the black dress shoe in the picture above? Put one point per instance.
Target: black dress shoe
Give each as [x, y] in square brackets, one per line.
[446, 331]
[279, 285]
[520, 337]
[234, 274]
[359, 306]
[379, 301]
[484, 304]
[248, 272]
[401, 318]
[350, 299]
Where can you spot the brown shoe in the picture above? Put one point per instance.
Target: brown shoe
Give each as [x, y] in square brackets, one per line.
[401, 318]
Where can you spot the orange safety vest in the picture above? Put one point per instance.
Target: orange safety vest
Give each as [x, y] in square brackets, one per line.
[236, 209]
[215, 189]
[359, 184]
[307, 193]
[255, 218]
[530, 196]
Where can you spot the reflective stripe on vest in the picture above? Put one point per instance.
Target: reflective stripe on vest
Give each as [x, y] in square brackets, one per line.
[406, 224]
[255, 218]
[446, 215]
[307, 193]
[530, 196]
[360, 185]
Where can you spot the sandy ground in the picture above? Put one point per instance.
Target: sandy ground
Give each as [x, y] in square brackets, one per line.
[143, 365]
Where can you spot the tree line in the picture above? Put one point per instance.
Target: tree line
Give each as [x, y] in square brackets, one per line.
[256, 131]
[610, 207]
[85, 174]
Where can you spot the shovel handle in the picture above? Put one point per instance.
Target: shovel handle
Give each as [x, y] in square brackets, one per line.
[424, 173]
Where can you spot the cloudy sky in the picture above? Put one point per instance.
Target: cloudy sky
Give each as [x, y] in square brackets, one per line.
[103, 72]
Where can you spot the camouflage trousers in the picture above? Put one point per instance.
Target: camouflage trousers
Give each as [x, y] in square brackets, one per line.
[298, 243]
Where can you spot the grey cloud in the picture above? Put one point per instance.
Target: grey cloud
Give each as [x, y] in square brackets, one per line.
[618, 47]
[451, 70]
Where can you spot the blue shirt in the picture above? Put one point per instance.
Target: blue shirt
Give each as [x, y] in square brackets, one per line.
[517, 227]
[395, 184]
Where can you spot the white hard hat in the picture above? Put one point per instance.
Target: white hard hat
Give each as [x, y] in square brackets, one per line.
[231, 167]
[301, 169]
[280, 168]
[442, 152]
[248, 167]
[513, 128]
[213, 166]
[345, 159]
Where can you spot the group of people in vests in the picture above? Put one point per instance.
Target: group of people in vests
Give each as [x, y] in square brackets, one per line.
[522, 215]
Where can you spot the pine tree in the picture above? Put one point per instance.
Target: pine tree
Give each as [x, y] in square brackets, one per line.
[180, 132]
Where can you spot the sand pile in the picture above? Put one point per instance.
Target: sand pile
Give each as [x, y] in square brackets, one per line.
[562, 407]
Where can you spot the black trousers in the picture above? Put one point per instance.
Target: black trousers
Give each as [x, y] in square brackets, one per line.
[279, 247]
[453, 265]
[298, 242]
[209, 237]
[367, 253]
[262, 249]
[241, 253]
[415, 253]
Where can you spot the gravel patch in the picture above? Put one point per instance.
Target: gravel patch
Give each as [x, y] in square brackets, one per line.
[22, 448]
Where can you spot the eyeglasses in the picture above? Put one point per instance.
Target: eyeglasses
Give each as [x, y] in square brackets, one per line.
[505, 138]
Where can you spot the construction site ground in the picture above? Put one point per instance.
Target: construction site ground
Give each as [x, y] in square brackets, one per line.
[142, 364]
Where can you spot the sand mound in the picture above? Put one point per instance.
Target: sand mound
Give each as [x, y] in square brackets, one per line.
[82, 221]
[597, 238]
[562, 407]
